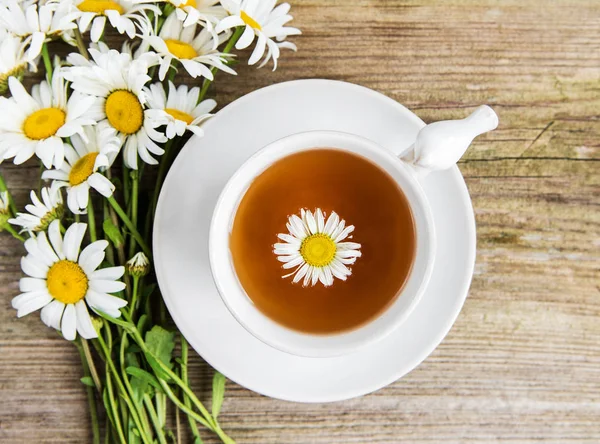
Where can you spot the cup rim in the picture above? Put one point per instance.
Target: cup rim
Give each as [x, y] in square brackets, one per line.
[317, 346]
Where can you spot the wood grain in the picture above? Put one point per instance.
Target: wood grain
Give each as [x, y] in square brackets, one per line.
[522, 363]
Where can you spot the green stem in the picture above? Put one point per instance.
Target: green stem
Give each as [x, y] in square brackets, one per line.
[11, 202]
[81, 44]
[90, 362]
[110, 252]
[90, 393]
[111, 400]
[91, 220]
[123, 391]
[47, 61]
[130, 226]
[162, 172]
[135, 182]
[232, 41]
[184, 376]
[143, 419]
[182, 406]
[12, 231]
[154, 418]
[134, 297]
[121, 248]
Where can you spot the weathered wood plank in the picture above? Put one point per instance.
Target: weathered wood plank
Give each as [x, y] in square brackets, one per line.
[522, 363]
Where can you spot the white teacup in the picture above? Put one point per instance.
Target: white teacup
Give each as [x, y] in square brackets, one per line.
[404, 171]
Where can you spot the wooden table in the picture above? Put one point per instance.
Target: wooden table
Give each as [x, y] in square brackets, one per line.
[522, 363]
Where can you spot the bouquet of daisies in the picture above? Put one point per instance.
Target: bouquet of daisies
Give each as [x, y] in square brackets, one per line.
[99, 122]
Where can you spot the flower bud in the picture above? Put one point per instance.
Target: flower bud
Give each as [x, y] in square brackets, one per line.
[138, 265]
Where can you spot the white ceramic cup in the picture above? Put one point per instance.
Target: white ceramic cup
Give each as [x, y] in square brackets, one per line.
[283, 338]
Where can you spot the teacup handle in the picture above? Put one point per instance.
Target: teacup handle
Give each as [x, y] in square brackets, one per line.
[440, 145]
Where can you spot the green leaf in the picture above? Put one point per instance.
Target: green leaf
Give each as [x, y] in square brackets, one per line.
[141, 325]
[133, 348]
[160, 343]
[87, 380]
[197, 440]
[144, 376]
[218, 393]
[160, 372]
[113, 233]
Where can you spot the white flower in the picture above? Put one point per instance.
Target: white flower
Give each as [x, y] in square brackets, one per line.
[196, 51]
[80, 172]
[118, 81]
[181, 107]
[124, 15]
[42, 212]
[315, 248]
[14, 58]
[53, 19]
[263, 19]
[35, 123]
[208, 12]
[138, 265]
[63, 282]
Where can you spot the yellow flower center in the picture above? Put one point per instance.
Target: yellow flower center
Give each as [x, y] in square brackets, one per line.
[17, 72]
[318, 250]
[44, 123]
[250, 21]
[100, 6]
[180, 49]
[179, 115]
[191, 3]
[67, 282]
[82, 169]
[124, 111]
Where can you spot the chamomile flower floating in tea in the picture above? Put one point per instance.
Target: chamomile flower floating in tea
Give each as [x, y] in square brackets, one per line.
[14, 58]
[84, 160]
[118, 81]
[197, 51]
[63, 282]
[34, 124]
[315, 249]
[41, 212]
[41, 22]
[182, 108]
[123, 15]
[263, 20]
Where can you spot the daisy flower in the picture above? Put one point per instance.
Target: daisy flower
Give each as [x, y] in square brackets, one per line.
[196, 51]
[41, 212]
[80, 172]
[315, 249]
[208, 12]
[182, 108]
[63, 282]
[14, 58]
[38, 23]
[35, 123]
[123, 15]
[118, 81]
[261, 19]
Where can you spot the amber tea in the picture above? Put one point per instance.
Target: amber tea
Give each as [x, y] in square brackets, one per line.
[378, 252]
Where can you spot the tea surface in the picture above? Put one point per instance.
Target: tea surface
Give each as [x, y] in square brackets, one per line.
[359, 192]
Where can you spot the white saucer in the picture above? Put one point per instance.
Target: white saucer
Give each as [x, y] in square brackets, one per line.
[181, 242]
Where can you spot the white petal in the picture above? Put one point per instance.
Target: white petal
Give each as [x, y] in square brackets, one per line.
[51, 314]
[56, 238]
[72, 241]
[320, 220]
[32, 284]
[85, 328]
[33, 304]
[104, 302]
[33, 269]
[103, 286]
[293, 263]
[246, 38]
[110, 273]
[300, 273]
[331, 224]
[310, 221]
[101, 184]
[344, 234]
[315, 276]
[68, 325]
